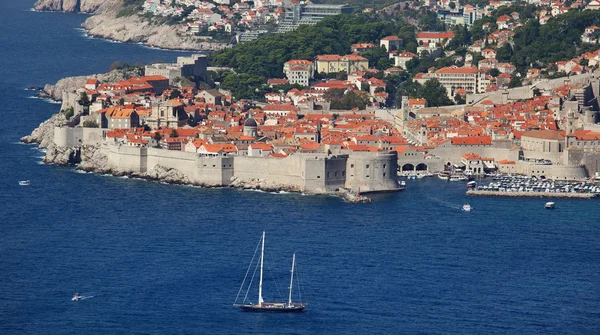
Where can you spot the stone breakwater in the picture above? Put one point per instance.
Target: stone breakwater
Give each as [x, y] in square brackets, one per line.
[105, 23]
[532, 194]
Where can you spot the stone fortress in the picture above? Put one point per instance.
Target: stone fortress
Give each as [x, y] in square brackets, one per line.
[302, 172]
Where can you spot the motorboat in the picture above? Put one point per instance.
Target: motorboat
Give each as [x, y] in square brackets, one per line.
[472, 184]
[77, 297]
[444, 175]
[549, 205]
[458, 177]
[25, 182]
[466, 207]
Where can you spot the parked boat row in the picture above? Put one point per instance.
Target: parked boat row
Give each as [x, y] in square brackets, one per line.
[527, 184]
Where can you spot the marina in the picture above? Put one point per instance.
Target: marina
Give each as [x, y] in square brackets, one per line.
[523, 186]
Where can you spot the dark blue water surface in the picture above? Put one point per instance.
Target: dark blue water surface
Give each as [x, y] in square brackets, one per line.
[161, 259]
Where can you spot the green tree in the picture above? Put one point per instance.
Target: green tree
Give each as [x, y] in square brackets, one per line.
[459, 100]
[175, 94]
[514, 82]
[494, 72]
[174, 133]
[435, 93]
[90, 124]
[504, 53]
[69, 112]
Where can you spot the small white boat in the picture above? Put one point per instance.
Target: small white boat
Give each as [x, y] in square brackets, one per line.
[549, 205]
[77, 297]
[466, 207]
[457, 177]
[472, 184]
[25, 182]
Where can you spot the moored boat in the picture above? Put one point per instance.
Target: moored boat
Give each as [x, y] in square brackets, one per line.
[472, 184]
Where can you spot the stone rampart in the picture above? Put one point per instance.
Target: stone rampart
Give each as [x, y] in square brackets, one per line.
[372, 172]
[74, 136]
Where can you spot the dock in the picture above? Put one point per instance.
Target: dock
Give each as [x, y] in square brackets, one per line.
[571, 195]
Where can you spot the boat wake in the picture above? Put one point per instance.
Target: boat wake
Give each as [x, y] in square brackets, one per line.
[445, 203]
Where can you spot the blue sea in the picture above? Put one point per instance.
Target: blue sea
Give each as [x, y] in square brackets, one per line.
[163, 259]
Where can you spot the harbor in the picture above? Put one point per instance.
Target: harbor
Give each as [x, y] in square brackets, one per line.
[524, 186]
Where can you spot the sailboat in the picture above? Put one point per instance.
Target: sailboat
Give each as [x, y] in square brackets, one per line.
[263, 306]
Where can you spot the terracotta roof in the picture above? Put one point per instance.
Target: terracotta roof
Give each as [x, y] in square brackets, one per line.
[544, 134]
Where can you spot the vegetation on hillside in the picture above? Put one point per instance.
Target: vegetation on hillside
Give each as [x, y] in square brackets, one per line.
[258, 60]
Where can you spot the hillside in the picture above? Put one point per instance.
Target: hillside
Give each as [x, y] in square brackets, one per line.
[263, 58]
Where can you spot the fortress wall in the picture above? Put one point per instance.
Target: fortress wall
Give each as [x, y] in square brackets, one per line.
[556, 157]
[272, 171]
[592, 164]
[213, 170]
[127, 158]
[454, 153]
[185, 162]
[372, 172]
[551, 171]
[74, 136]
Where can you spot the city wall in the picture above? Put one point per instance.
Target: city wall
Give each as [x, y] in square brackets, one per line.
[452, 153]
[314, 173]
[526, 92]
[74, 136]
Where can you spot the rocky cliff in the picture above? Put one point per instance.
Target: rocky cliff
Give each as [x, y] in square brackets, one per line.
[76, 6]
[128, 29]
[135, 29]
[71, 84]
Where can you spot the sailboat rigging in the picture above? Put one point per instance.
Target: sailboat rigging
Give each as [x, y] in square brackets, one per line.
[261, 305]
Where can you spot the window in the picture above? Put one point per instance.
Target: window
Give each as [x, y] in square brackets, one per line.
[384, 174]
[384, 165]
[367, 176]
[367, 166]
[318, 177]
[351, 165]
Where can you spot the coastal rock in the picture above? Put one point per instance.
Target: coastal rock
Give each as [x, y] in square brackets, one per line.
[136, 29]
[75, 6]
[105, 23]
[44, 133]
[71, 84]
[259, 184]
[351, 197]
[165, 174]
[61, 155]
[92, 159]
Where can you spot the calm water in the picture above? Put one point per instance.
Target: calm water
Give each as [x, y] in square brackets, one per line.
[161, 259]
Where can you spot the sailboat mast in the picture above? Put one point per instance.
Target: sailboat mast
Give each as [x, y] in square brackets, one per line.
[262, 255]
[292, 279]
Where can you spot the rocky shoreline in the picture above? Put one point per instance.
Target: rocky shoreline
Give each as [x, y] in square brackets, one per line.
[105, 23]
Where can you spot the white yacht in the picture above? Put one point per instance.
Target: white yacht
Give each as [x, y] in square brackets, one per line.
[549, 205]
[25, 182]
[466, 207]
